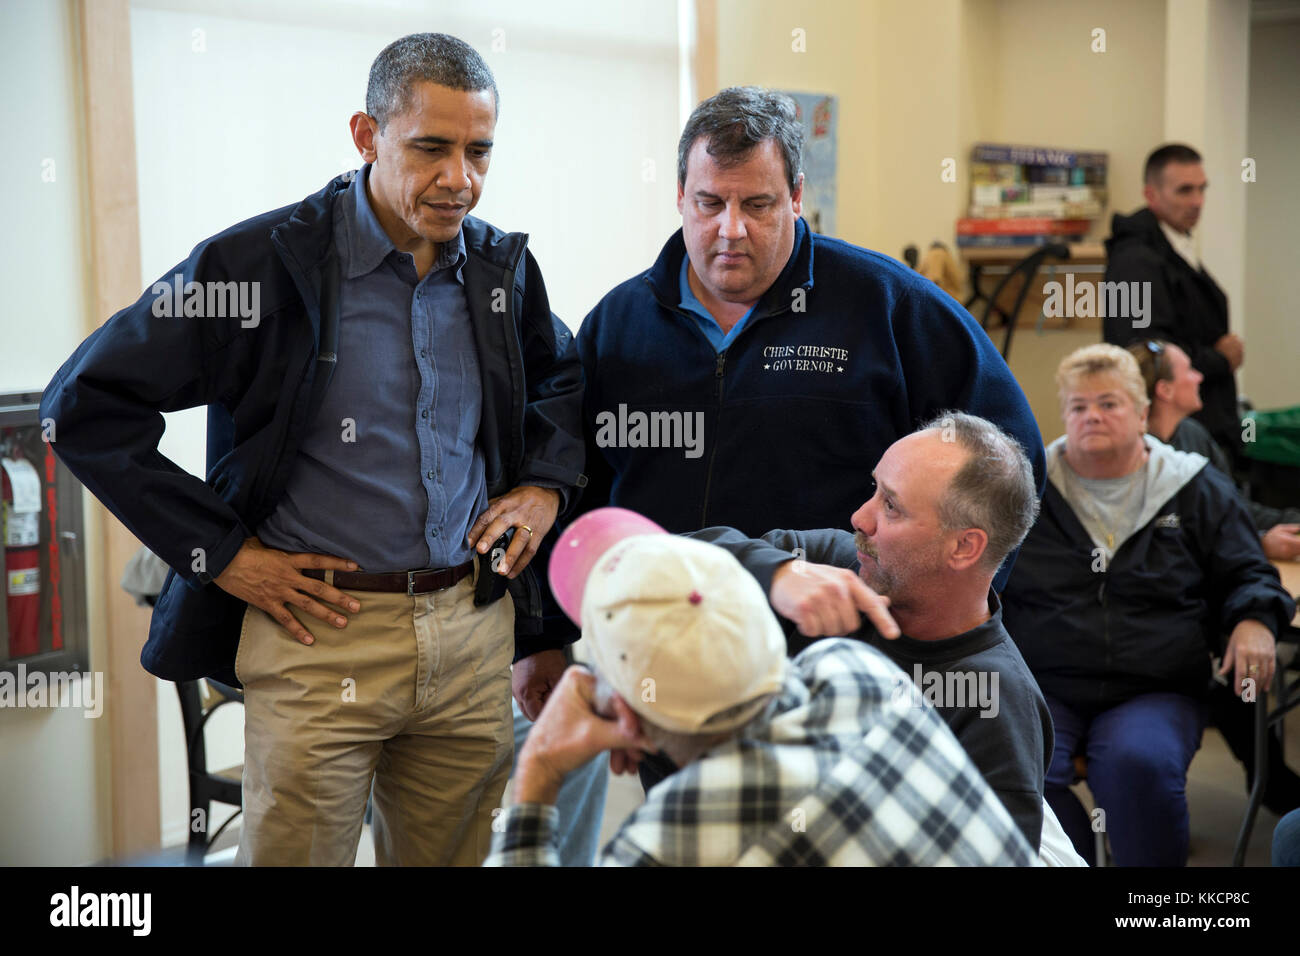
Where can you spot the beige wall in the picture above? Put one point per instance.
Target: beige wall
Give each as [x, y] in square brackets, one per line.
[925, 80]
[980, 83]
[754, 46]
[1273, 208]
[1052, 89]
[917, 61]
[1206, 92]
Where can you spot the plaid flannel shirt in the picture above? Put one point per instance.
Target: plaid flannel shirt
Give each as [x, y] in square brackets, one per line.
[846, 768]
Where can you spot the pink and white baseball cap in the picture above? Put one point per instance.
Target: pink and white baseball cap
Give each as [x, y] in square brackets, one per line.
[677, 626]
[582, 544]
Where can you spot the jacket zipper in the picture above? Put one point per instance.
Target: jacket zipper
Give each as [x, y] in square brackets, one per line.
[1104, 601]
[718, 372]
[1105, 630]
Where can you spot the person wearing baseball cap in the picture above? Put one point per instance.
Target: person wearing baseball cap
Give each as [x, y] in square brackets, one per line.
[809, 761]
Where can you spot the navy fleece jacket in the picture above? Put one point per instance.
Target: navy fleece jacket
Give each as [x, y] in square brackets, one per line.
[848, 351]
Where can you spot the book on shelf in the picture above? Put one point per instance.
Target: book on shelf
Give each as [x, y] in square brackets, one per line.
[1003, 240]
[1023, 226]
[1037, 156]
[1039, 210]
[1010, 181]
[1047, 193]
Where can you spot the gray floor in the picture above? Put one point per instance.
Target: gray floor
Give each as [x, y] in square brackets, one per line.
[1216, 794]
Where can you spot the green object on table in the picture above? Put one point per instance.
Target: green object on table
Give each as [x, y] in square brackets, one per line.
[1276, 436]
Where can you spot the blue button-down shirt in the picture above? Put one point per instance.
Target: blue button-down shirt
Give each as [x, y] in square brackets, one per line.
[390, 474]
[708, 324]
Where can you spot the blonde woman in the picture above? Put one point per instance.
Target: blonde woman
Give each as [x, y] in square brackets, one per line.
[1142, 564]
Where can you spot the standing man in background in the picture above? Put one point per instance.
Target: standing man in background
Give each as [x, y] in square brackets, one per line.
[398, 395]
[1187, 307]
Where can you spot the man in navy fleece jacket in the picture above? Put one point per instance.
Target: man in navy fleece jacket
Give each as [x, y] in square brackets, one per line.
[782, 363]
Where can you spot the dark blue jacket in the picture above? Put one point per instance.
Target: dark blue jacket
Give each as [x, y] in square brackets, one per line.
[262, 385]
[786, 446]
[1149, 621]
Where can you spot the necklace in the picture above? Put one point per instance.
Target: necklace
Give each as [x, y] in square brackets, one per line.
[1107, 508]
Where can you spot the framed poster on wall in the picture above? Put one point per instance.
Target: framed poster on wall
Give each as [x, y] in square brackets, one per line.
[819, 114]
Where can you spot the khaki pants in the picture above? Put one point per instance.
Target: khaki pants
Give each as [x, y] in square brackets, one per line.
[414, 693]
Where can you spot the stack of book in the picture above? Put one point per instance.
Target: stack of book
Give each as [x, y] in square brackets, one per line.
[1029, 195]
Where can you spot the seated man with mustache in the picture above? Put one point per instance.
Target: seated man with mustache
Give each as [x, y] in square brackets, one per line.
[952, 500]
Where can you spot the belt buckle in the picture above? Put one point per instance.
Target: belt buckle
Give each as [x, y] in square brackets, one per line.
[410, 583]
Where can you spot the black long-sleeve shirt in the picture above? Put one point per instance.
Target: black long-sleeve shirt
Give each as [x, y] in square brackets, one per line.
[1006, 729]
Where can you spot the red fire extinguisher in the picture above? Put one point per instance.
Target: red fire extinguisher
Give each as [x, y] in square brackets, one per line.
[21, 488]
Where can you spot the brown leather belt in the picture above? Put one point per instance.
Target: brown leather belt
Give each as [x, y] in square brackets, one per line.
[401, 582]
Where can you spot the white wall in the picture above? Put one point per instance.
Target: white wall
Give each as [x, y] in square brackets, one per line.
[42, 259]
[919, 124]
[258, 119]
[53, 762]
